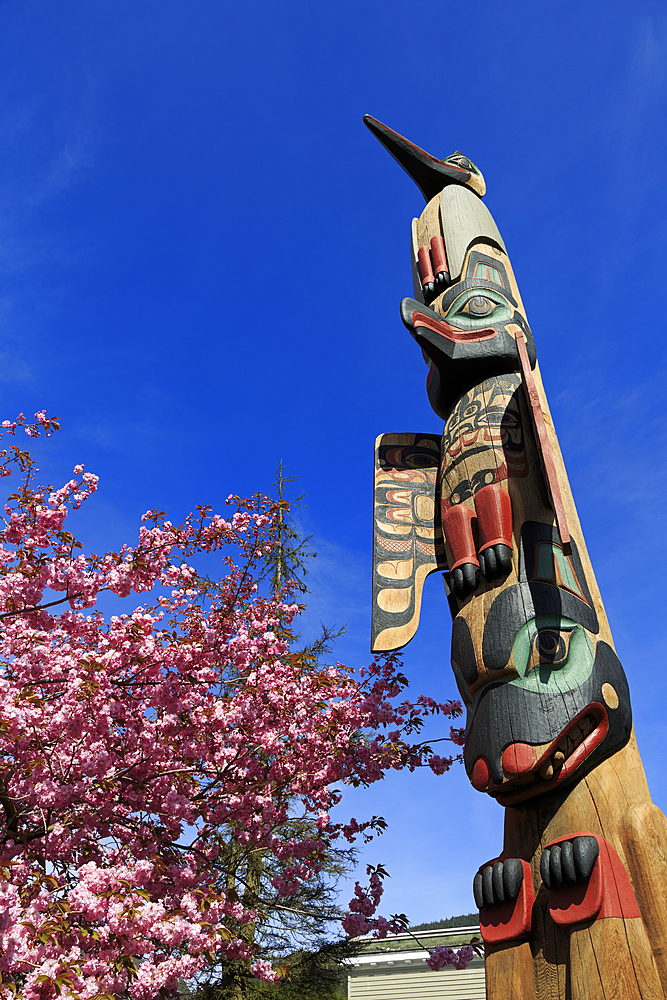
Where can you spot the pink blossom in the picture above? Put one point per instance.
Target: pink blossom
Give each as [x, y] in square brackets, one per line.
[439, 958]
[440, 764]
[264, 970]
[111, 727]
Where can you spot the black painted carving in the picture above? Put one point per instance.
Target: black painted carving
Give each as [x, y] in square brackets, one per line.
[498, 882]
[570, 861]
[495, 562]
[505, 713]
[534, 532]
[464, 580]
[458, 365]
[463, 651]
[517, 605]
[429, 174]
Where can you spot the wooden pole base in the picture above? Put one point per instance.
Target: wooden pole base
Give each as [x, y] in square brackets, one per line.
[603, 956]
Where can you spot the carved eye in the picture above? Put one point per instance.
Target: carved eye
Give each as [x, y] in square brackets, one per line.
[460, 160]
[550, 646]
[479, 306]
[510, 420]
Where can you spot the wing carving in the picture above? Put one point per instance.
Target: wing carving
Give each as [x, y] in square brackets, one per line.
[408, 542]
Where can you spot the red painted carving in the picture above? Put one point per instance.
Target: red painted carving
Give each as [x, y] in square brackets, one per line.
[425, 268]
[457, 526]
[510, 920]
[494, 513]
[516, 795]
[481, 774]
[518, 758]
[545, 448]
[451, 332]
[607, 893]
[439, 256]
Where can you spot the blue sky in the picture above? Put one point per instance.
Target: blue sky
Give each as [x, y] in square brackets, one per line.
[202, 253]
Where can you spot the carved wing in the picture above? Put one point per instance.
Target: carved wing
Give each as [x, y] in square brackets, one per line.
[408, 542]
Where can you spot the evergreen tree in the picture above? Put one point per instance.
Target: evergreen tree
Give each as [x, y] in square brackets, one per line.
[288, 557]
[299, 934]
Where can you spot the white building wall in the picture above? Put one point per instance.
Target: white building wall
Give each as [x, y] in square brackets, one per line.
[413, 980]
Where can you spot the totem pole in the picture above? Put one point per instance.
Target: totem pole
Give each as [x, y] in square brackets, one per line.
[575, 906]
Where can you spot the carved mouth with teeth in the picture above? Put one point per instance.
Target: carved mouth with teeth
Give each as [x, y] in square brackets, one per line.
[533, 770]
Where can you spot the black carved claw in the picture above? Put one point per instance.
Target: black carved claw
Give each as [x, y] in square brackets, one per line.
[495, 561]
[442, 281]
[464, 580]
[433, 269]
[567, 862]
[498, 882]
[439, 284]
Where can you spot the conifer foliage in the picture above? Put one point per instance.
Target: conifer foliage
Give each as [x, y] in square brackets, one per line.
[139, 751]
[287, 558]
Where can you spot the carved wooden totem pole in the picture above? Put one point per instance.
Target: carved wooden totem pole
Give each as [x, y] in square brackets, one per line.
[575, 906]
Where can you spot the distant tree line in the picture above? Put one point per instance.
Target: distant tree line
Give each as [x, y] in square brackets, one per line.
[464, 920]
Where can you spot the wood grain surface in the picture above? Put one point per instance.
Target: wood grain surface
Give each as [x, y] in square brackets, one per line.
[549, 723]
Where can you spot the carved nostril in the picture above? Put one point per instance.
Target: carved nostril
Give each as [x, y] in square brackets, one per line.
[481, 775]
[518, 758]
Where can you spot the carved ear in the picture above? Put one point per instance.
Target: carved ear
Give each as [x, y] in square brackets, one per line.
[429, 174]
[408, 542]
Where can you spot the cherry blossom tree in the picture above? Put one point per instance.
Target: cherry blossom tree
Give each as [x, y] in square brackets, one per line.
[131, 744]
